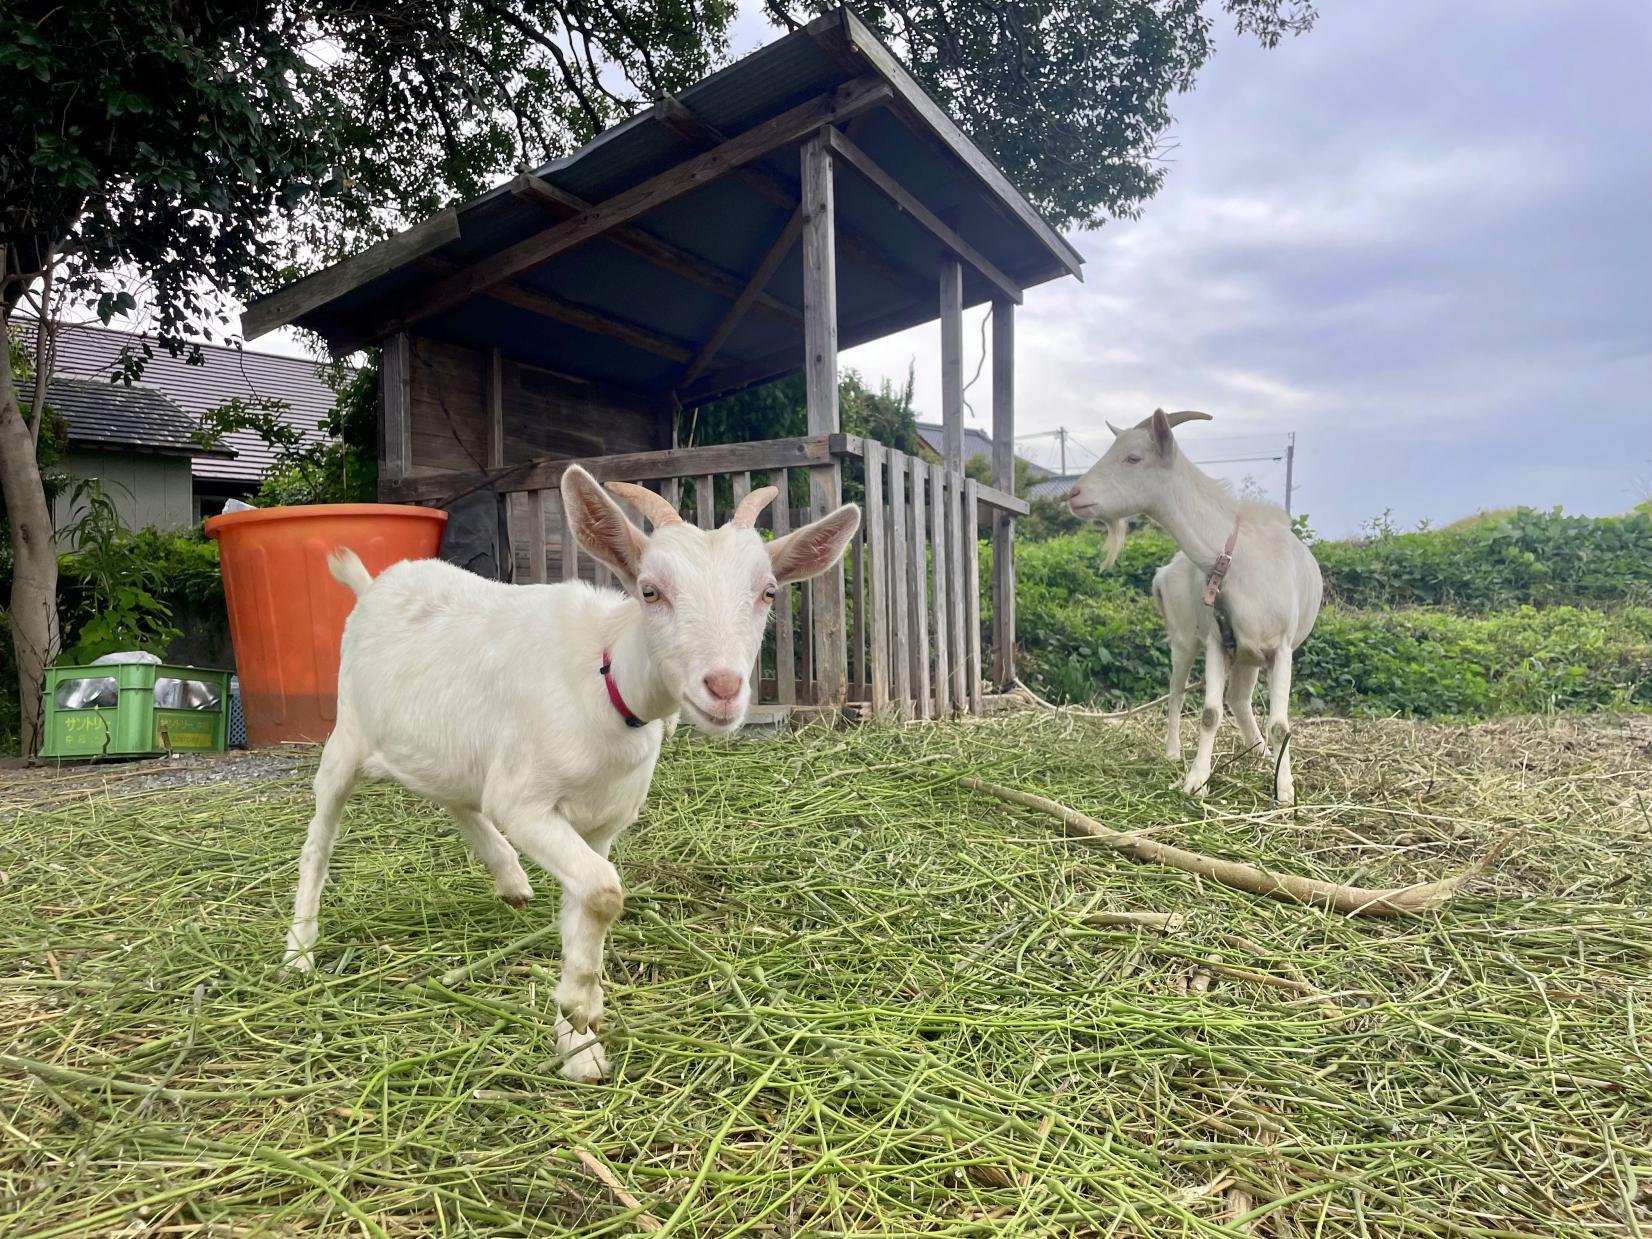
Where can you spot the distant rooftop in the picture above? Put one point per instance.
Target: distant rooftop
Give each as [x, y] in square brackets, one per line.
[92, 351]
[114, 417]
[976, 443]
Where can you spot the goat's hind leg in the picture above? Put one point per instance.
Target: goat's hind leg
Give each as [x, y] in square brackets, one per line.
[335, 778]
[1279, 723]
[1241, 690]
[494, 851]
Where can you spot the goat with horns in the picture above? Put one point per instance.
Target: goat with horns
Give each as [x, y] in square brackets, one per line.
[534, 714]
[1243, 586]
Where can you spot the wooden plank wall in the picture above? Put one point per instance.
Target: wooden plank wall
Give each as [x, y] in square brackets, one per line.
[457, 425]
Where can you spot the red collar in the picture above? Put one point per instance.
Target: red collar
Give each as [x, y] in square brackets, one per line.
[631, 720]
[1213, 582]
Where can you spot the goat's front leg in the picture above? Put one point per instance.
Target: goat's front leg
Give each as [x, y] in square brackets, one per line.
[1279, 723]
[591, 901]
[1210, 718]
[1181, 666]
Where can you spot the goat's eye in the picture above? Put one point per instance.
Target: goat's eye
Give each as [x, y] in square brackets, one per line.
[768, 594]
[650, 594]
[1132, 459]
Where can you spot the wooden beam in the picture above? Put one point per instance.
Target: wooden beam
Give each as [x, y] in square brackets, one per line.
[866, 47]
[646, 245]
[596, 322]
[288, 304]
[766, 267]
[952, 363]
[676, 462]
[622, 208]
[732, 378]
[846, 150]
[819, 288]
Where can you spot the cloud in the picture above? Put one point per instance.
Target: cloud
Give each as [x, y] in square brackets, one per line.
[1417, 237]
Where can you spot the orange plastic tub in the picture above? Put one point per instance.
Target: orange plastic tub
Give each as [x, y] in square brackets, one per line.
[286, 613]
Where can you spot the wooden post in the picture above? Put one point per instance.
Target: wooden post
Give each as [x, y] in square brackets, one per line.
[496, 409]
[1003, 477]
[952, 363]
[877, 578]
[972, 593]
[785, 663]
[939, 526]
[820, 383]
[900, 645]
[960, 543]
[396, 420]
[742, 488]
[536, 537]
[917, 583]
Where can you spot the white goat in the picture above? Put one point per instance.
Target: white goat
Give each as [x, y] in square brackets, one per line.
[1269, 590]
[533, 714]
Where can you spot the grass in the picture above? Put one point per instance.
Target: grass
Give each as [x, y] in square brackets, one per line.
[850, 997]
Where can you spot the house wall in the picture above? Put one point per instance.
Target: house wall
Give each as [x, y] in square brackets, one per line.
[146, 489]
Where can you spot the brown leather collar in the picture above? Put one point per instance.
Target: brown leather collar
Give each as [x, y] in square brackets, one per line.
[1213, 582]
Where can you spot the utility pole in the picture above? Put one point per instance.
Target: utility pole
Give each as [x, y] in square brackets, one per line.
[1290, 462]
[1061, 434]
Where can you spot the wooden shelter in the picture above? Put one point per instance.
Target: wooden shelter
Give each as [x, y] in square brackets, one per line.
[806, 198]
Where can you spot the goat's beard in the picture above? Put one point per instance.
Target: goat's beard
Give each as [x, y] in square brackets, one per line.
[1116, 531]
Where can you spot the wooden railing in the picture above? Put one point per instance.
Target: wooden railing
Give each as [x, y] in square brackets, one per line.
[899, 629]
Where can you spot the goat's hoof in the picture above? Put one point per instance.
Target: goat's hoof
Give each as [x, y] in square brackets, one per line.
[1198, 788]
[298, 961]
[587, 1062]
[516, 899]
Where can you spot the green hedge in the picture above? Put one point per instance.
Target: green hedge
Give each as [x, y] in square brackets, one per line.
[1086, 636]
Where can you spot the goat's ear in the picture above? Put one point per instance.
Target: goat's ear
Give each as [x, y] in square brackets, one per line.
[600, 526]
[813, 549]
[1162, 438]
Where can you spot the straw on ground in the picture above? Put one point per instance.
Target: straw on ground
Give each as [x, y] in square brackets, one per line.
[855, 997]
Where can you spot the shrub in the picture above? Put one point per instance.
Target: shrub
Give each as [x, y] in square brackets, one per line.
[1505, 560]
[1086, 636]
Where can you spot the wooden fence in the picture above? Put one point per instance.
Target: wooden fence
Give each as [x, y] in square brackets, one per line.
[899, 629]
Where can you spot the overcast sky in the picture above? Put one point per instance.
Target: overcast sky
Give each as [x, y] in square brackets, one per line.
[1419, 237]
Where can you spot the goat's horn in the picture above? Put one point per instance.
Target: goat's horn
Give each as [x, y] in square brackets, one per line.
[1175, 419]
[653, 506]
[745, 515]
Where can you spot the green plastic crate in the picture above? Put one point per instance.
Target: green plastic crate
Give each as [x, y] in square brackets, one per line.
[135, 726]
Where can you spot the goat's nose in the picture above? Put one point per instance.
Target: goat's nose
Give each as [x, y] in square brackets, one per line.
[724, 685]
[1073, 494]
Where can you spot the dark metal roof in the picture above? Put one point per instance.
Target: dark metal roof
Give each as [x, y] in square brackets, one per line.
[888, 264]
[112, 416]
[92, 351]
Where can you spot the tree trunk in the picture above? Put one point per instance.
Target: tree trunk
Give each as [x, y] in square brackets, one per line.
[34, 630]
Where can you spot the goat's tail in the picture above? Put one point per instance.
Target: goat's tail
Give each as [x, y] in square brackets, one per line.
[347, 569]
